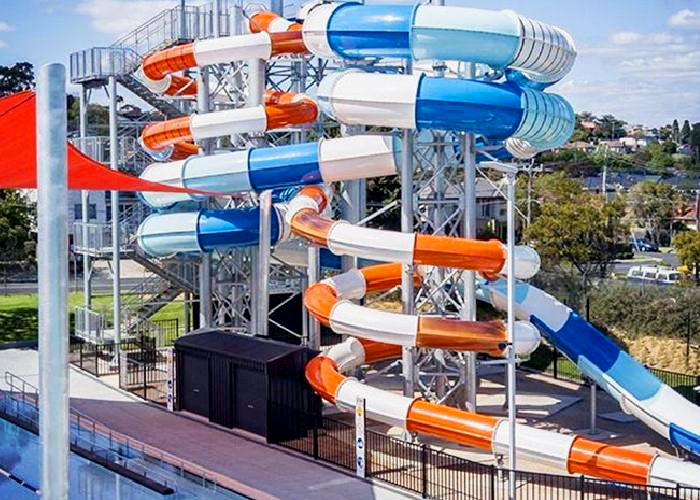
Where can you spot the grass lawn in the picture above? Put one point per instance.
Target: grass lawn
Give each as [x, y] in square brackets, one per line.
[19, 314]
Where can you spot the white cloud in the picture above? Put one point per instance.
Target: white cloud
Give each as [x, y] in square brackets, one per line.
[5, 26]
[685, 18]
[2, 44]
[625, 38]
[117, 17]
[647, 78]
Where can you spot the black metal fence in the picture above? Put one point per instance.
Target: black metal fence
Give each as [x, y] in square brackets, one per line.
[433, 473]
[550, 361]
[102, 359]
[145, 373]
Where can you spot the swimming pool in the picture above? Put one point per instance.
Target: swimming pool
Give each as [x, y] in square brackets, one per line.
[20, 454]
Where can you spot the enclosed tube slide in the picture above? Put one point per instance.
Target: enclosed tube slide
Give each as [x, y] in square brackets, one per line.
[169, 233]
[283, 109]
[271, 36]
[163, 235]
[256, 169]
[329, 301]
[529, 120]
[501, 39]
[570, 453]
[639, 392]
[303, 214]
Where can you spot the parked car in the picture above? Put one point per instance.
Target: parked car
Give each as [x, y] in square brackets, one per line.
[643, 246]
[654, 275]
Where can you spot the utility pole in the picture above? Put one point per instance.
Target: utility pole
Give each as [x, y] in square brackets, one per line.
[604, 188]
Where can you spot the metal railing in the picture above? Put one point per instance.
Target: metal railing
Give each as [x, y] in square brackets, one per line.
[168, 28]
[146, 377]
[96, 238]
[433, 473]
[551, 362]
[22, 400]
[130, 155]
[89, 325]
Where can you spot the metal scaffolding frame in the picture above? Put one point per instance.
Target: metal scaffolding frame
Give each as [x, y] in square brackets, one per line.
[233, 282]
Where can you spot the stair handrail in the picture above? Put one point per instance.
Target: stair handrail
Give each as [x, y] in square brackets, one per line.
[90, 424]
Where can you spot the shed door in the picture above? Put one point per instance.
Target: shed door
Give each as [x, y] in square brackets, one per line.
[251, 394]
[195, 390]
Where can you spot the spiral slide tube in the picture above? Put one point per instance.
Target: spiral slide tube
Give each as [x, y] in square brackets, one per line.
[329, 302]
[285, 109]
[343, 238]
[639, 392]
[256, 169]
[271, 36]
[169, 233]
[526, 118]
[501, 39]
[570, 453]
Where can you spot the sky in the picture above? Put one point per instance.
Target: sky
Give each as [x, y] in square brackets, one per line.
[637, 59]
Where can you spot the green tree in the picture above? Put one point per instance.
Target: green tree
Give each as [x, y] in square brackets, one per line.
[687, 244]
[17, 214]
[651, 206]
[17, 218]
[695, 140]
[16, 78]
[610, 127]
[668, 147]
[675, 131]
[666, 133]
[685, 133]
[581, 234]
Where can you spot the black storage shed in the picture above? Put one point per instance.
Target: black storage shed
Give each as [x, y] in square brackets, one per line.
[251, 383]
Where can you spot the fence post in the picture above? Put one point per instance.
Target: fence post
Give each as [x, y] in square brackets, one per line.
[145, 386]
[81, 355]
[697, 392]
[582, 486]
[315, 437]
[97, 365]
[493, 482]
[424, 469]
[556, 363]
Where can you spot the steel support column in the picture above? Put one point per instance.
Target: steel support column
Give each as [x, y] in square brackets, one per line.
[52, 253]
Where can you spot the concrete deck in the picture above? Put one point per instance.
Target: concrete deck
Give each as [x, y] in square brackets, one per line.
[260, 471]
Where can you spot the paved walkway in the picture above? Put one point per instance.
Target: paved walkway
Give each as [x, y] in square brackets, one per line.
[261, 471]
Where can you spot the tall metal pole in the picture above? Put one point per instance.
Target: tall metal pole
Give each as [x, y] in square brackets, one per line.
[205, 291]
[85, 214]
[183, 20]
[510, 266]
[408, 357]
[277, 6]
[263, 274]
[52, 183]
[216, 14]
[468, 312]
[116, 251]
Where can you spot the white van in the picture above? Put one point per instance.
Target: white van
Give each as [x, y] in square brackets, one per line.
[653, 275]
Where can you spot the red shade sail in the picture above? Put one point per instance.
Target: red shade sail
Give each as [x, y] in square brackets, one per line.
[18, 155]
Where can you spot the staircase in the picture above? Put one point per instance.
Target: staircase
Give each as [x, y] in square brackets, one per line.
[170, 277]
[92, 67]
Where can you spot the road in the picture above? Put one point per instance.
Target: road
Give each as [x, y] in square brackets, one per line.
[667, 259]
[100, 285]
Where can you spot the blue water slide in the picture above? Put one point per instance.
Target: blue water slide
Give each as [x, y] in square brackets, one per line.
[499, 111]
[638, 391]
[501, 39]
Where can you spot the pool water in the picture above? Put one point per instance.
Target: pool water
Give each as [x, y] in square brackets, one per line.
[20, 455]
